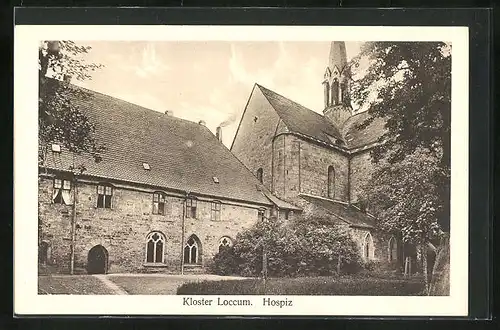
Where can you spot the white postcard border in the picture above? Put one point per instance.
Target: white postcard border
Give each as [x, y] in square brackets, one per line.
[26, 299]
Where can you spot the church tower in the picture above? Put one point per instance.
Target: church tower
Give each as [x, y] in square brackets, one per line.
[336, 85]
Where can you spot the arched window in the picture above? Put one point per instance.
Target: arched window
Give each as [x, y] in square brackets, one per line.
[225, 242]
[331, 182]
[368, 248]
[192, 250]
[327, 93]
[159, 203]
[155, 245]
[260, 173]
[393, 249]
[335, 92]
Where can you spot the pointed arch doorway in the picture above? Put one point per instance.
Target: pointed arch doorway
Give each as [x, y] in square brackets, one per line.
[97, 260]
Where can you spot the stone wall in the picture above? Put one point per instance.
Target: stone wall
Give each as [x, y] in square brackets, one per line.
[301, 166]
[122, 230]
[253, 141]
[361, 169]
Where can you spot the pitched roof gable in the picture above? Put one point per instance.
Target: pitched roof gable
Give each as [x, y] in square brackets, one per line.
[182, 155]
[304, 121]
[300, 119]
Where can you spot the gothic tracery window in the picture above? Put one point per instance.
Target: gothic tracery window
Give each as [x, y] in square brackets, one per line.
[368, 248]
[225, 242]
[192, 253]
[155, 245]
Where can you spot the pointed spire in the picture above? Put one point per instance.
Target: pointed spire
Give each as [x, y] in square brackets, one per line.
[338, 56]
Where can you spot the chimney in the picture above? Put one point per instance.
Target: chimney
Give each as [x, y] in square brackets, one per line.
[218, 133]
[169, 112]
[202, 122]
[67, 78]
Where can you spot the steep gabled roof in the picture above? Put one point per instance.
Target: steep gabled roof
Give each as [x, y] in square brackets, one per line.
[300, 119]
[349, 214]
[182, 155]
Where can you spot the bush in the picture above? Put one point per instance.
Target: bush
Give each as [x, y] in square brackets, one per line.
[224, 263]
[308, 247]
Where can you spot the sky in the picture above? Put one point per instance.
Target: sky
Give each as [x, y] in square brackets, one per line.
[211, 80]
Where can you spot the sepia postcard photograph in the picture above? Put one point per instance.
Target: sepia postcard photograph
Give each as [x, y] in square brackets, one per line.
[231, 170]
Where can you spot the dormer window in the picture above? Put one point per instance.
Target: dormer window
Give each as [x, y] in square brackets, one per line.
[56, 147]
[146, 166]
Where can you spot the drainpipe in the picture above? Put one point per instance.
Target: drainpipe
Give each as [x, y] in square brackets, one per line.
[73, 229]
[183, 230]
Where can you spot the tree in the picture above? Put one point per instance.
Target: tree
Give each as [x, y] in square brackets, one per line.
[59, 117]
[408, 84]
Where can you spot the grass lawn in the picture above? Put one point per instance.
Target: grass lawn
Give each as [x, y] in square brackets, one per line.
[345, 285]
[150, 285]
[71, 284]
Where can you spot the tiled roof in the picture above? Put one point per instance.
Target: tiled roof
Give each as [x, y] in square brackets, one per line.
[351, 215]
[182, 155]
[299, 119]
[355, 137]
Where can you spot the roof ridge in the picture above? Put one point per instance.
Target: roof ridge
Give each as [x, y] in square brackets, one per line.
[135, 105]
[280, 95]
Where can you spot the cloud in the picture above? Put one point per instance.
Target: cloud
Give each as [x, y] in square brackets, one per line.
[150, 64]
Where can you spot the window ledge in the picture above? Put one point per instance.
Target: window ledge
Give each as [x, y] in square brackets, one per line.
[154, 265]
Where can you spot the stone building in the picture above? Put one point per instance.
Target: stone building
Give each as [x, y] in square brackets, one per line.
[317, 162]
[166, 195]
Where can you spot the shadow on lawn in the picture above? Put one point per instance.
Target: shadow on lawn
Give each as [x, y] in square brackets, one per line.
[324, 286]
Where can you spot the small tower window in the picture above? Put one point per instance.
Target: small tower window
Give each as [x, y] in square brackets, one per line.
[335, 92]
[260, 173]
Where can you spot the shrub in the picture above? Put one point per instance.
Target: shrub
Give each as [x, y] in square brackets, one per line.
[301, 248]
[224, 263]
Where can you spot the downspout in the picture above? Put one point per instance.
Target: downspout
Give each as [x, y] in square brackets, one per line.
[183, 231]
[349, 180]
[73, 229]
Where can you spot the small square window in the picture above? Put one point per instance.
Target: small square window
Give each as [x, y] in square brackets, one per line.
[216, 179]
[146, 166]
[56, 148]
